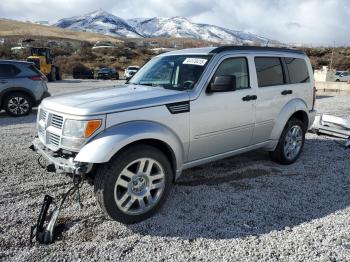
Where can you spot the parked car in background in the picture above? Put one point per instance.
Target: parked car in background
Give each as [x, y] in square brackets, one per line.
[22, 86]
[130, 71]
[82, 72]
[107, 73]
[343, 77]
[181, 109]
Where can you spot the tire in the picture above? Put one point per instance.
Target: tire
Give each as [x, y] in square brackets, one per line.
[18, 104]
[290, 144]
[124, 193]
[58, 74]
[52, 76]
[337, 80]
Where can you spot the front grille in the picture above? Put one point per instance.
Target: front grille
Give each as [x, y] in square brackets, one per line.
[41, 131]
[57, 121]
[42, 115]
[50, 129]
[54, 139]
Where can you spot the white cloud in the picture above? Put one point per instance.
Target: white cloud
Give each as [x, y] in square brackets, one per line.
[304, 21]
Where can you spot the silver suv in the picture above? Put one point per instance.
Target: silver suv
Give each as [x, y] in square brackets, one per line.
[22, 86]
[182, 109]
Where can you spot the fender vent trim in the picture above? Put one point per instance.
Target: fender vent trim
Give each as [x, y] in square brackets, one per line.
[178, 108]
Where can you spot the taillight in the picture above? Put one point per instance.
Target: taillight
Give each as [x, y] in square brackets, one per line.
[38, 78]
[314, 97]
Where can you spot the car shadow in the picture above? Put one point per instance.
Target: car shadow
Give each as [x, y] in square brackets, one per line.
[6, 120]
[249, 195]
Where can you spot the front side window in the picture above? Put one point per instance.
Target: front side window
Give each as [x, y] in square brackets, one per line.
[178, 72]
[237, 67]
[297, 70]
[269, 71]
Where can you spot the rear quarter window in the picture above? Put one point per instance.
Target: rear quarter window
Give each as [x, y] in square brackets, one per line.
[33, 69]
[297, 70]
[269, 71]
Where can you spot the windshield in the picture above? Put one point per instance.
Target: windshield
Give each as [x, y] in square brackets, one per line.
[178, 72]
[133, 68]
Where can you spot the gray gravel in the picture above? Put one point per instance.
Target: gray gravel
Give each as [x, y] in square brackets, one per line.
[241, 208]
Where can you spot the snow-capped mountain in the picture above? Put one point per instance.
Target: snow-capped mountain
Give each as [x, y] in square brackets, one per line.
[105, 23]
[99, 22]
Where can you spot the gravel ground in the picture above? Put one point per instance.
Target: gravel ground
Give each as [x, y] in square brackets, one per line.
[240, 208]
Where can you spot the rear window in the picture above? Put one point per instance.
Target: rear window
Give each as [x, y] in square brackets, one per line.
[8, 70]
[269, 71]
[133, 68]
[297, 70]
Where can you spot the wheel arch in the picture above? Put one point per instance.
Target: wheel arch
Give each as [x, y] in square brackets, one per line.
[11, 90]
[114, 139]
[295, 108]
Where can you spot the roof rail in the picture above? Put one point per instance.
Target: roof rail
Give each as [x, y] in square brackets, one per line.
[253, 48]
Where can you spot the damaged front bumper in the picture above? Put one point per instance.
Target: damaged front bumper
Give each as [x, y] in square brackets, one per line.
[57, 162]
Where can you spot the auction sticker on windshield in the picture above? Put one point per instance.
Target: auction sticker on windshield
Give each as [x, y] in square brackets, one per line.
[194, 61]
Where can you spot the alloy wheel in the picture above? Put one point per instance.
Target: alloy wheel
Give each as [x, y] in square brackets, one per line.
[293, 142]
[139, 186]
[18, 105]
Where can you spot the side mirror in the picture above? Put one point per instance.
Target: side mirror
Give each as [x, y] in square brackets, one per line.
[223, 84]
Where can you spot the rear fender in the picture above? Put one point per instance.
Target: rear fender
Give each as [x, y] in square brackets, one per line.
[288, 110]
[106, 144]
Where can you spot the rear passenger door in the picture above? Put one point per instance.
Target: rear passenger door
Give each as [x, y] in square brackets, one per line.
[279, 80]
[7, 72]
[271, 83]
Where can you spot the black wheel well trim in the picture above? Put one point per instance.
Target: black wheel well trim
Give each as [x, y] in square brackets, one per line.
[10, 90]
[302, 116]
[159, 144]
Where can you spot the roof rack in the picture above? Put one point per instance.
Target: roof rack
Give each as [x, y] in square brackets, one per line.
[253, 48]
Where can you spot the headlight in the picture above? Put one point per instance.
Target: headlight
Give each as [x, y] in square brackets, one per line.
[75, 132]
[80, 129]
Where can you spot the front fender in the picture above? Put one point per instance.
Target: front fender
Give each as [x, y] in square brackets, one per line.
[106, 144]
[288, 110]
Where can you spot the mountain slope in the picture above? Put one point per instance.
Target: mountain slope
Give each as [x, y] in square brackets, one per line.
[99, 22]
[15, 28]
[106, 23]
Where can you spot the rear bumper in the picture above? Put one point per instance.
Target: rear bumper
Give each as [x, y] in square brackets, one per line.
[58, 163]
[45, 94]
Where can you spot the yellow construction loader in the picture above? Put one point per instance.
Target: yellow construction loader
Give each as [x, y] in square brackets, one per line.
[42, 59]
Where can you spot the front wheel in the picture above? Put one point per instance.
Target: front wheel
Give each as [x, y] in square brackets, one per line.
[134, 184]
[290, 143]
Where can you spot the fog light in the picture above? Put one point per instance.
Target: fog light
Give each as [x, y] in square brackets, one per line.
[73, 143]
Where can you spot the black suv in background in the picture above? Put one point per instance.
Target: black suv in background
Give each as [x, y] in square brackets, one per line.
[22, 86]
[107, 73]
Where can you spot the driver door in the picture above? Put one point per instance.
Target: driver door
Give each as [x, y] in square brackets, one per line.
[223, 121]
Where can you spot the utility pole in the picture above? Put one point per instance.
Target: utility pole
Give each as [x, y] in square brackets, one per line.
[332, 56]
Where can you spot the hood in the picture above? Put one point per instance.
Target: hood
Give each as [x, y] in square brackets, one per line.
[112, 99]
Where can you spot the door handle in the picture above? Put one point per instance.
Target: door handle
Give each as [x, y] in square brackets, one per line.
[248, 98]
[3, 81]
[287, 92]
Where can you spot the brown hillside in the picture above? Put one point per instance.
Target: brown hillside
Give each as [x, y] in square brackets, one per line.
[11, 28]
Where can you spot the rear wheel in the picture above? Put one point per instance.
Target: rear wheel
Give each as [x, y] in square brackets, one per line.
[134, 184]
[58, 73]
[290, 143]
[18, 104]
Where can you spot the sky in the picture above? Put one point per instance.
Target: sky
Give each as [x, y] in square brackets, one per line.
[311, 22]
